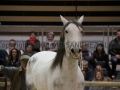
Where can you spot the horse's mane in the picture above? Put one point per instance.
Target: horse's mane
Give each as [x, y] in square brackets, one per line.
[61, 46]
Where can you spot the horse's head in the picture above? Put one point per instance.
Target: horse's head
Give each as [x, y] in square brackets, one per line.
[72, 34]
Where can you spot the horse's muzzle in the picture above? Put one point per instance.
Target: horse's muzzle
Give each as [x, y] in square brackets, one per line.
[76, 53]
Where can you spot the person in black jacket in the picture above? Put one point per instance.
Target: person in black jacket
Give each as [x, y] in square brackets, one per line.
[114, 51]
[101, 58]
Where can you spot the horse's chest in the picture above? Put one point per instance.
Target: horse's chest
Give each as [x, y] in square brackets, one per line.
[66, 84]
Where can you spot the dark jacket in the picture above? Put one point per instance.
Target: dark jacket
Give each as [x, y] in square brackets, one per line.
[114, 47]
[35, 47]
[103, 57]
[89, 75]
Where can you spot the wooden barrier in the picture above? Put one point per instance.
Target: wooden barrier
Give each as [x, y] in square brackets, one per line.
[103, 84]
[87, 83]
[58, 8]
[56, 19]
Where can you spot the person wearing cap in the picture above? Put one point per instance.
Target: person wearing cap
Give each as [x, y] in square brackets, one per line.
[17, 74]
[50, 44]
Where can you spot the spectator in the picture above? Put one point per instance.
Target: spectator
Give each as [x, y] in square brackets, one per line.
[99, 76]
[100, 57]
[29, 50]
[88, 73]
[114, 51]
[99, 67]
[12, 44]
[87, 55]
[34, 41]
[17, 75]
[50, 45]
[14, 57]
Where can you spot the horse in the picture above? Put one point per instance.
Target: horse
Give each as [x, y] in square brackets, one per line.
[47, 70]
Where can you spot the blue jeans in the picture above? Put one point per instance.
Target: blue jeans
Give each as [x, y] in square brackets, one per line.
[114, 64]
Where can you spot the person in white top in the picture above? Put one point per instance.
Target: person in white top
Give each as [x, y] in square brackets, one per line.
[12, 44]
[50, 44]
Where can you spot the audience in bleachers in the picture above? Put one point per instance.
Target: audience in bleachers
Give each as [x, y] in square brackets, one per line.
[87, 55]
[34, 41]
[95, 65]
[29, 50]
[13, 58]
[114, 51]
[99, 76]
[50, 44]
[100, 57]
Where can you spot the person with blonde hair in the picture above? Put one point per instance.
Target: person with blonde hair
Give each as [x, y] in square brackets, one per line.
[99, 76]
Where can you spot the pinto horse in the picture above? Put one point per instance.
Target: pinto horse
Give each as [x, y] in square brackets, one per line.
[49, 70]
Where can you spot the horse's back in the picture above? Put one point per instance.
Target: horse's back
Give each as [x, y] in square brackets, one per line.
[40, 61]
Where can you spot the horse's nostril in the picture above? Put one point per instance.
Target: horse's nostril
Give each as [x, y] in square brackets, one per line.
[72, 50]
[79, 50]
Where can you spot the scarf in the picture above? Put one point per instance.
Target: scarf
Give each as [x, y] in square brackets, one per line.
[32, 40]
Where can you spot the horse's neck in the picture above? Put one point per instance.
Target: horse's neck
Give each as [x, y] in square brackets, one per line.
[70, 67]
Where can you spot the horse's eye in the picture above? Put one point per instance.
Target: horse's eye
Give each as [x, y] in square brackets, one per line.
[66, 31]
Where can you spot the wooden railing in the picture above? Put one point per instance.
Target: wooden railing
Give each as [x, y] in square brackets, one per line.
[87, 83]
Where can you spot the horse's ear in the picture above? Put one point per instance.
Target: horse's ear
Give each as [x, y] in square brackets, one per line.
[63, 20]
[80, 20]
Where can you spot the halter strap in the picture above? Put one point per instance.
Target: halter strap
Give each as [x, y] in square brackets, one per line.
[73, 21]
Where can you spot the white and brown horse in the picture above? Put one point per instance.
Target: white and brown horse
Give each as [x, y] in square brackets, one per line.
[49, 70]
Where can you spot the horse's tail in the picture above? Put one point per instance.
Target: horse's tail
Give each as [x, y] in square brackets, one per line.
[29, 67]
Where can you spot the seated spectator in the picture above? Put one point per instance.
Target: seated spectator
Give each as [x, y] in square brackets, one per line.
[50, 44]
[34, 41]
[114, 51]
[17, 74]
[87, 55]
[88, 73]
[13, 59]
[100, 57]
[29, 50]
[99, 67]
[99, 76]
[12, 44]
